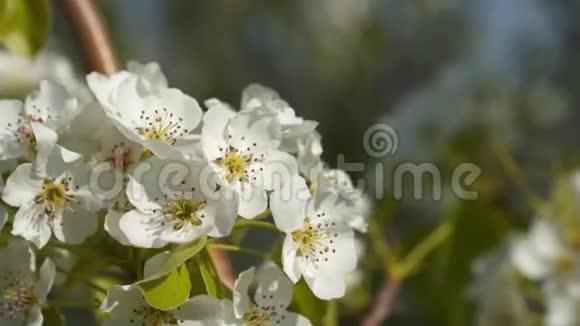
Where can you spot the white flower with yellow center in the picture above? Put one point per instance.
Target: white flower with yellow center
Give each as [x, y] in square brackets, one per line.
[294, 129]
[176, 202]
[23, 290]
[161, 119]
[51, 106]
[51, 203]
[243, 149]
[319, 244]
[320, 178]
[126, 306]
[272, 294]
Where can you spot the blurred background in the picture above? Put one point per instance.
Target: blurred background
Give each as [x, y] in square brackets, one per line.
[482, 81]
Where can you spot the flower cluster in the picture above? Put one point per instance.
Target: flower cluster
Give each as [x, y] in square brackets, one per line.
[534, 276]
[164, 172]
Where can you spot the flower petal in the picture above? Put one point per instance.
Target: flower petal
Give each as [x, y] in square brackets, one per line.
[241, 298]
[46, 279]
[74, 226]
[274, 288]
[288, 204]
[253, 201]
[21, 187]
[32, 224]
[140, 229]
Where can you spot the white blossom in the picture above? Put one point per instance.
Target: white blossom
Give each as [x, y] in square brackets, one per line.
[126, 306]
[177, 210]
[23, 289]
[52, 202]
[272, 294]
[294, 129]
[147, 112]
[319, 244]
[495, 289]
[243, 149]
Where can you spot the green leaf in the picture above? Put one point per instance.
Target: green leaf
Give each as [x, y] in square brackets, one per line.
[24, 25]
[166, 262]
[53, 317]
[168, 292]
[209, 276]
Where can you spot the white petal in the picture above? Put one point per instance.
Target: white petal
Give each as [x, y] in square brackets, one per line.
[46, 278]
[35, 317]
[11, 143]
[123, 304]
[249, 128]
[222, 212]
[52, 104]
[526, 260]
[139, 197]
[21, 187]
[151, 75]
[290, 261]
[279, 168]
[105, 88]
[294, 319]
[112, 226]
[75, 226]
[46, 141]
[199, 308]
[241, 298]
[32, 224]
[327, 287]
[253, 201]
[274, 288]
[141, 230]
[288, 204]
[545, 240]
[213, 132]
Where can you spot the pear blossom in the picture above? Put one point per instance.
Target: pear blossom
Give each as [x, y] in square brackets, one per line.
[543, 254]
[177, 210]
[271, 298]
[319, 244]
[294, 129]
[23, 289]
[495, 289]
[243, 149]
[51, 203]
[126, 306]
[51, 106]
[321, 178]
[147, 112]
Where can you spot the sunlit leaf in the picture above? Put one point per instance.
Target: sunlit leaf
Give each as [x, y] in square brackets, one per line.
[169, 291]
[24, 25]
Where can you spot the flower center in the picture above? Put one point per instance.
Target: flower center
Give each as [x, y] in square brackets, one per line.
[18, 298]
[161, 125]
[315, 241]
[184, 211]
[234, 162]
[154, 317]
[258, 316]
[121, 156]
[54, 195]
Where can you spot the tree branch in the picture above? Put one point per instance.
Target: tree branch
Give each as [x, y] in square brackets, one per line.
[93, 35]
[384, 304]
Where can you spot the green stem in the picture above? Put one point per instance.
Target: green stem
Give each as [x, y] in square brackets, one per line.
[412, 261]
[242, 223]
[234, 248]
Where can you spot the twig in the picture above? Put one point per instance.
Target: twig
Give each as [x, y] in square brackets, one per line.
[384, 304]
[93, 35]
[100, 55]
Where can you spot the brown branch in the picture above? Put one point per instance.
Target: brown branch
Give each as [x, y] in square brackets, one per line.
[93, 35]
[384, 304]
